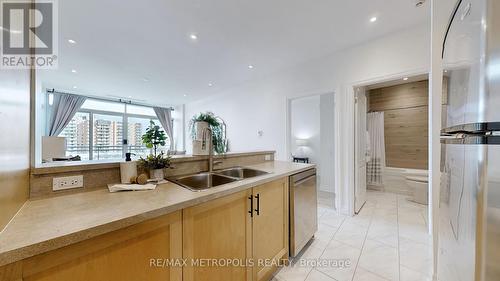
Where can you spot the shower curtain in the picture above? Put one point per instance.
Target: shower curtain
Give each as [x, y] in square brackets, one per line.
[376, 165]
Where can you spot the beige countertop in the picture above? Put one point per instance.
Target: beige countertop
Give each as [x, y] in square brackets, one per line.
[48, 224]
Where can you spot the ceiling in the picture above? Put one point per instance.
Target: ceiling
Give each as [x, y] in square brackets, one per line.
[143, 50]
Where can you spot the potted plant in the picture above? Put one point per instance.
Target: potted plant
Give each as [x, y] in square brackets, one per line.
[156, 162]
[216, 124]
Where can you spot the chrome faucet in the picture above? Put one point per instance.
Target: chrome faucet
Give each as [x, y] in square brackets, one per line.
[207, 133]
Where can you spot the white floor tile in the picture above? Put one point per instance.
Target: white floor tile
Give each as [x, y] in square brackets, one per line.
[380, 259]
[315, 275]
[351, 234]
[387, 241]
[331, 218]
[365, 275]
[339, 252]
[411, 275]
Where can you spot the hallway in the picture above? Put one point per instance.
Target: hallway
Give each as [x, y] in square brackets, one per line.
[388, 240]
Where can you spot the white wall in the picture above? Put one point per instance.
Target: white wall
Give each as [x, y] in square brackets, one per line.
[327, 161]
[261, 104]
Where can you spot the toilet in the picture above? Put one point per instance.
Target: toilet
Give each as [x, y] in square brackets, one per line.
[418, 185]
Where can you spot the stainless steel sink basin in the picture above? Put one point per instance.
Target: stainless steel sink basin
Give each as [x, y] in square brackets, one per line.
[241, 172]
[202, 181]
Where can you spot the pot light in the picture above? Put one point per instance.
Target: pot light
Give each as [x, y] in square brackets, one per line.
[73, 70]
[373, 19]
[193, 36]
[250, 66]
[145, 79]
[405, 79]
[71, 41]
[185, 95]
[210, 84]
[75, 87]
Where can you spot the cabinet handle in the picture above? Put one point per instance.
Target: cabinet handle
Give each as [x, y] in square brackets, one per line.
[251, 205]
[258, 204]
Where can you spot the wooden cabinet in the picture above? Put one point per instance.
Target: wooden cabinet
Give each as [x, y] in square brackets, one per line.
[122, 255]
[218, 231]
[270, 227]
[240, 237]
[226, 229]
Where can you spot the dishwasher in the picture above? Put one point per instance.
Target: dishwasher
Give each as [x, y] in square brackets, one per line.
[303, 210]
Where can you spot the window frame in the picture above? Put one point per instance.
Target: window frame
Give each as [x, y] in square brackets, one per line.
[124, 116]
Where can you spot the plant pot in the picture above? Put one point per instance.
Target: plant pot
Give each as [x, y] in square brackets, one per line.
[157, 174]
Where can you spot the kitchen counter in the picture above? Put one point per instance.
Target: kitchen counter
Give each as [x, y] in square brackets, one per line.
[48, 224]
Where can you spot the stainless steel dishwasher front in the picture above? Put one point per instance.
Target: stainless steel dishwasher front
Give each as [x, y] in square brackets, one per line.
[303, 210]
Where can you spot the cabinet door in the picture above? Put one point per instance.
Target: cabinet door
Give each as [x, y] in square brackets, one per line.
[218, 231]
[122, 255]
[270, 227]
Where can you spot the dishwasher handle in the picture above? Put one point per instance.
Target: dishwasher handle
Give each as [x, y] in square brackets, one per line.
[304, 180]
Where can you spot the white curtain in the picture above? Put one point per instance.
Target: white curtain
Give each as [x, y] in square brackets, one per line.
[62, 111]
[376, 165]
[165, 117]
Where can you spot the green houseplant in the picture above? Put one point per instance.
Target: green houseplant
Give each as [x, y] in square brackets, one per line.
[155, 162]
[218, 127]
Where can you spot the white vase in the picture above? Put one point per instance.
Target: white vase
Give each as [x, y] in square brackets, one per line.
[156, 174]
[200, 127]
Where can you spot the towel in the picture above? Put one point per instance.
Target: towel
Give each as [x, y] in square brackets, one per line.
[130, 187]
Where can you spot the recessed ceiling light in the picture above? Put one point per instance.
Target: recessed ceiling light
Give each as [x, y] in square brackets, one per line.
[250, 66]
[71, 41]
[210, 84]
[75, 87]
[145, 79]
[185, 95]
[129, 97]
[193, 36]
[405, 79]
[73, 70]
[445, 71]
[373, 19]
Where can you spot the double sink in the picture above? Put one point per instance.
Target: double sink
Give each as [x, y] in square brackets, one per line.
[207, 180]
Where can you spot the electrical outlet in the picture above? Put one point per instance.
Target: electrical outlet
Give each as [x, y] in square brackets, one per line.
[67, 182]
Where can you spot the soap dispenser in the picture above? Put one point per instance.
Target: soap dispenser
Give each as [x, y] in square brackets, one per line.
[128, 169]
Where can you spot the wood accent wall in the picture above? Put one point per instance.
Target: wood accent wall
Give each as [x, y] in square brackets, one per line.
[406, 123]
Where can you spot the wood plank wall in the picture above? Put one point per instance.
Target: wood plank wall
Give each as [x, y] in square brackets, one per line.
[406, 123]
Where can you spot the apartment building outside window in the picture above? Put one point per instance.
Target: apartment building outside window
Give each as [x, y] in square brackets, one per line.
[103, 130]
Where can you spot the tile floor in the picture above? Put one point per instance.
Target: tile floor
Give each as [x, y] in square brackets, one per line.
[388, 240]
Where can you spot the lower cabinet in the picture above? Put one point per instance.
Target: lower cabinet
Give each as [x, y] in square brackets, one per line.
[270, 228]
[134, 253]
[240, 237]
[215, 232]
[243, 236]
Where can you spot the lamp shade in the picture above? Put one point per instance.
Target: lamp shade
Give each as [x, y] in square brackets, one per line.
[301, 142]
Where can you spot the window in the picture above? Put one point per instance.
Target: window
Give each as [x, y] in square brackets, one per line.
[103, 130]
[107, 134]
[77, 136]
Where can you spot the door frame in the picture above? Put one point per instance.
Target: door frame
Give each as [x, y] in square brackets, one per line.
[350, 138]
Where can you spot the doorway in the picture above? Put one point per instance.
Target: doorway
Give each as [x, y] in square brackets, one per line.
[391, 141]
[311, 139]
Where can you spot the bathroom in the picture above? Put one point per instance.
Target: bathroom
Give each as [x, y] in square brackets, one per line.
[392, 140]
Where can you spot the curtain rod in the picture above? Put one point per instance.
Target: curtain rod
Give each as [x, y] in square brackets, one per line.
[53, 91]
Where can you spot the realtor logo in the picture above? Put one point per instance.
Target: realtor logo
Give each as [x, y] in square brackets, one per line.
[29, 34]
